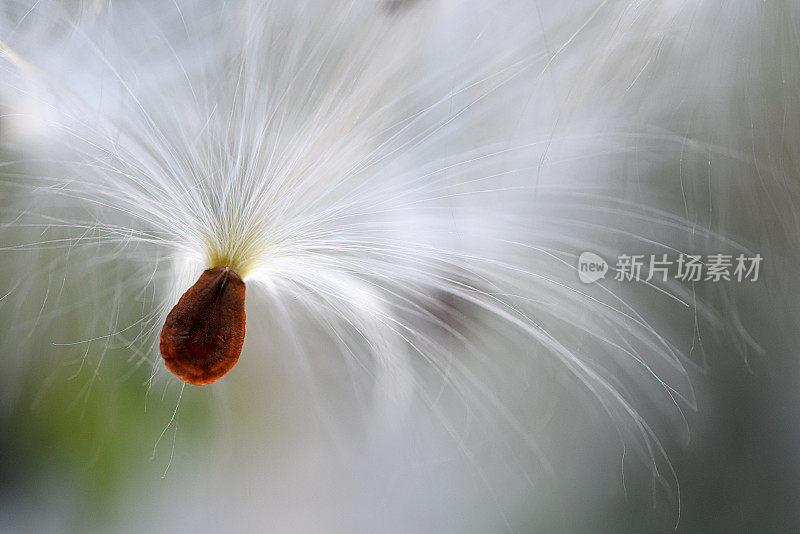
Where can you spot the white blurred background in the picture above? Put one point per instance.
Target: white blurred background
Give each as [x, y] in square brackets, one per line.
[558, 127]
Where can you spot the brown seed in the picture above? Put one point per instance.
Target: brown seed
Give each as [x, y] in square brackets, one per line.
[203, 335]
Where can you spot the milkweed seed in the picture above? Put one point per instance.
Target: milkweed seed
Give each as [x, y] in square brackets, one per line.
[203, 335]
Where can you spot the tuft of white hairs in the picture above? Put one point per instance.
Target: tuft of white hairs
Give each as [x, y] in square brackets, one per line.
[405, 189]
